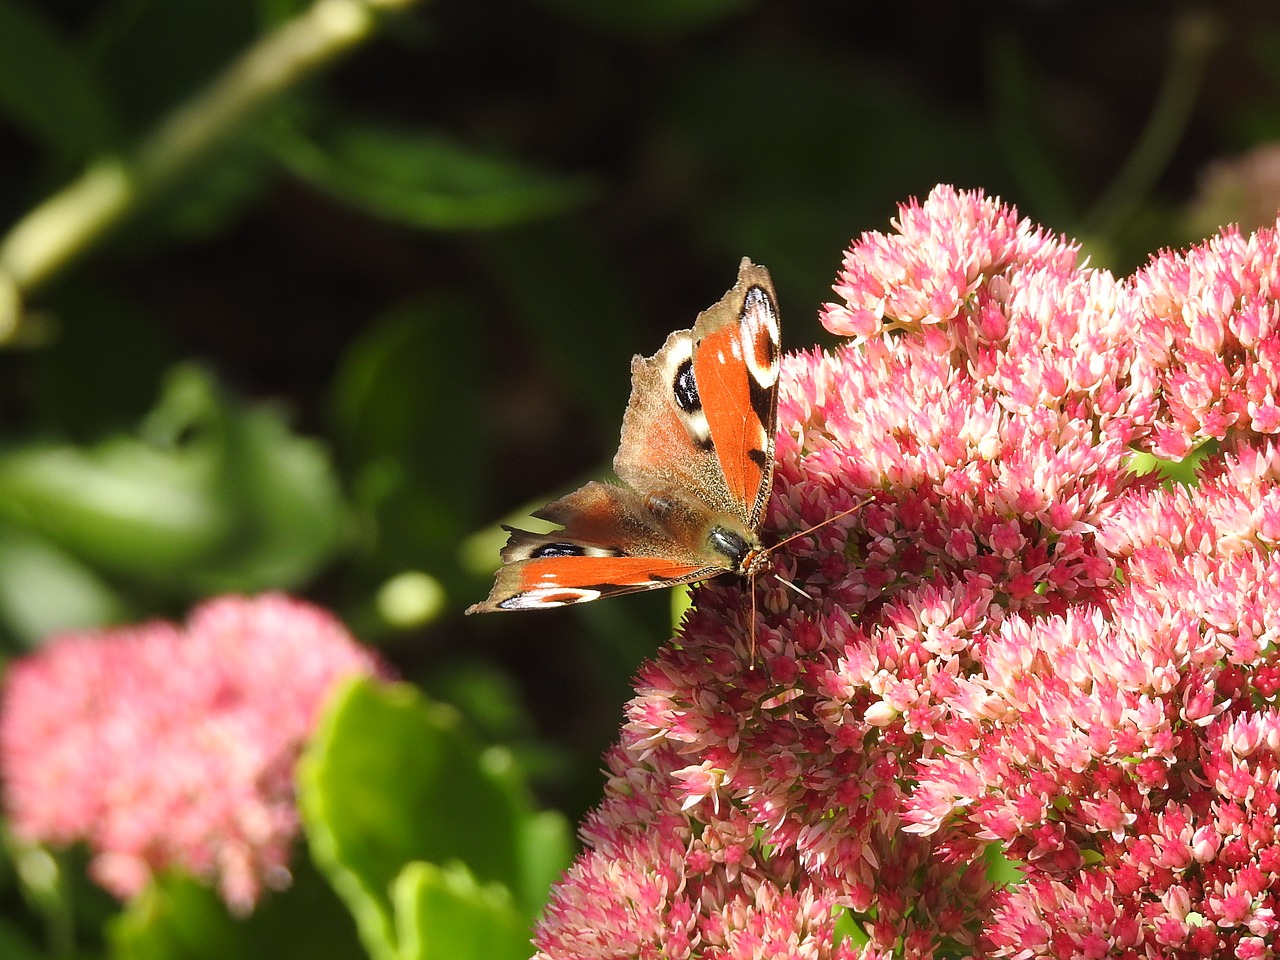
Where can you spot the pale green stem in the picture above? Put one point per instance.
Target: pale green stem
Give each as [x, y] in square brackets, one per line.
[67, 224]
[1195, 35]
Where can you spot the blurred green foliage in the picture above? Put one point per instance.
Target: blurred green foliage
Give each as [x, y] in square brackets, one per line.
[429, 837]
[395, 302]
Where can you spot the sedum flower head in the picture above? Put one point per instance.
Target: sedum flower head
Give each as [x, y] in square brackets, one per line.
[162, 746]
[1018, 646]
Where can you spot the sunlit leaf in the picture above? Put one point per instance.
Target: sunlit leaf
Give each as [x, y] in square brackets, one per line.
[392, 779]
[445, 914]
[44, 590]
[176, 919]
[210, 495]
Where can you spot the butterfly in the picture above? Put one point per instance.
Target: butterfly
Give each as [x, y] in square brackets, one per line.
[696, 465]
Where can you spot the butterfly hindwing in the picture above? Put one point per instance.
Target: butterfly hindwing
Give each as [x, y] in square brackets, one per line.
[608, 546]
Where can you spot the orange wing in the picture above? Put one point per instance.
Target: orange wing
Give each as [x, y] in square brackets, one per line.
[609, 545]
[736, 368]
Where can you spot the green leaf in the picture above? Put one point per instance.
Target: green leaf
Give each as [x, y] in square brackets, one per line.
[391, 779]
[547, 848]
[849, 928]
[445, 914]
[175, 919]
[1182, 472]
[46, 87]
[155, 54]
[209, 495]
[45, 590]
[396, 395]
[178, 918]
[425, 180]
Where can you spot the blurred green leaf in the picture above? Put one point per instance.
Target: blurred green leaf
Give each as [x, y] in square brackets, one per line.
[391, 778]
[274, 12]
[396, 394]
[178, 918]
[791, 198]
[46, 86]
[547, 848]
[122, 505]
[213, 197]
[44, 590]
[77, 395]
[445, 914]
[175, 919]
[413, 442]
[153, 54]
[210, 496]
[1018, 119]
[424, 179]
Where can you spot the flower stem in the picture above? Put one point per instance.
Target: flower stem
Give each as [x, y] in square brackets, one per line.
[71, 221]
[1195, 35]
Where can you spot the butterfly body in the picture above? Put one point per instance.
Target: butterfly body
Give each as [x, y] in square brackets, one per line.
[696, 465]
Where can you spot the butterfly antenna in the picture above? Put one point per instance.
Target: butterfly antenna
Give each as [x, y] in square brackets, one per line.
[787, 583]
[783, 580]
[817, 526]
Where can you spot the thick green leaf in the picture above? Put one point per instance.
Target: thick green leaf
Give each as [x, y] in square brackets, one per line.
[176, 919]
[424, 179]
[547, 848]
[210, 496]
[44, 590]
[445, 914]
[390, 778]
[46, 86]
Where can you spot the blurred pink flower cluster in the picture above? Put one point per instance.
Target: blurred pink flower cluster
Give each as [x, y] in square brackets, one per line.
[160, 746]
[1018, 646]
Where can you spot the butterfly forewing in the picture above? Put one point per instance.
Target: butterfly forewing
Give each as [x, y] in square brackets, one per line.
[736, 367]
[701, 418]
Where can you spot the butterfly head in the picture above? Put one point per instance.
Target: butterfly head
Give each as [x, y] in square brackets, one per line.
[741, 549]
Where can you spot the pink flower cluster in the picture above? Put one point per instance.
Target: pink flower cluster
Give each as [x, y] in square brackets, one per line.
[162, 747]
[1019, 650]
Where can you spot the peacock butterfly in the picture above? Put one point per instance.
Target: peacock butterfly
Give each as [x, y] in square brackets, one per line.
[695, 461]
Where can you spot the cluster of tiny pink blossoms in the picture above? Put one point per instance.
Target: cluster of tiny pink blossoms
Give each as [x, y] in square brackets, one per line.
[1018, 646]
[161, 746]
